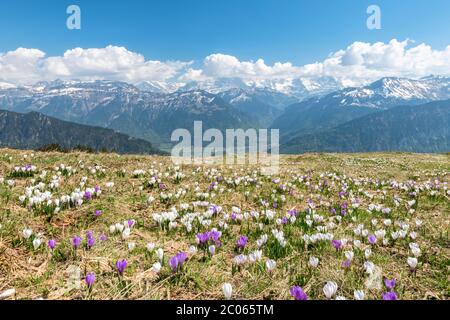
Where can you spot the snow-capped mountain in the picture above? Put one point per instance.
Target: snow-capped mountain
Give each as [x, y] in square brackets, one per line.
[6, 85]
[322, 113]
[298, 89]
[158, 86]
[125, 108]
[392, 91]
[147, 111]
[263, 104]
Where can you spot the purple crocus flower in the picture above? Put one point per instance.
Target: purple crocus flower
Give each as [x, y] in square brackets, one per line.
[90, 241]
[214, 208]
[298, 294]
[162, 186]
[346, 264]
[391, 295]
[241, 242]
[88, 195]
[372, 239]
[51, 244]
[90, 279]
[390, 284]
[233, 216]
[293, 212]
[203, 238]
[121, 265]
[97, 213]
[215, 235]
[103, 237]
[76, 241]
[176, 262]
[337, 244]
[131, 223]
[284, 220]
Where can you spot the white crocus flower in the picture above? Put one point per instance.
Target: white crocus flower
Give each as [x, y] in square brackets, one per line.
[156, 267]
[227, 290]
[160, 254]
[36, 243]
[270, 265]
[27, 233]
[330, 289]
[412, 262]
[359, 294]
[313, 262]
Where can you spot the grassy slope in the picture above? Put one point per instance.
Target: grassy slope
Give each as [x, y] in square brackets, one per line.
[39, 274]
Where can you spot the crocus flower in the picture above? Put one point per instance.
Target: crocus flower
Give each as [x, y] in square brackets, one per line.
[121, 265]
[160, 254]
[88, 195]
[412, 262]
[391, 295]
[372, 239]
[227, 290]
[390, 284]
[90, 279]
[330, 289]
[203, 238]
[37, 243]
[298, 294]
[27, 233]
[176, 262]
[270, 265]
[76, 241]
[241, 242]
[97, 213]
[359, 295]
[51, 244]
[346, 264]
[337, 244]
[313, 262]
[90, 240]
[156, 267]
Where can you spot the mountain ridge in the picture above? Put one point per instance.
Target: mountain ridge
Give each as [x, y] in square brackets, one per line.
[34, 130]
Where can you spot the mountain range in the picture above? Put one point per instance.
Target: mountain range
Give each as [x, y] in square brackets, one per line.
[422, 128]
[301, 109]
[34, 130]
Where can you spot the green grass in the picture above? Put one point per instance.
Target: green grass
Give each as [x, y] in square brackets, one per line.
[43, 273]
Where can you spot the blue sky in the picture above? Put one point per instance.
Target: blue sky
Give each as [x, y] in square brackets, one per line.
[263, 42]
[281, 30]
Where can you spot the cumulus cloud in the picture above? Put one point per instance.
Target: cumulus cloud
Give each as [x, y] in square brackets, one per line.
[357, 64]
[363, 62]
[226, 66]
[112, 63]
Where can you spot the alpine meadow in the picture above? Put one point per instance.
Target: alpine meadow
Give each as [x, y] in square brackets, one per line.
[253, 154]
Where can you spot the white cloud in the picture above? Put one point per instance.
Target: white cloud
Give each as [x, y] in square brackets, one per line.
[357, 64]
[364, 62]
[114, 63]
